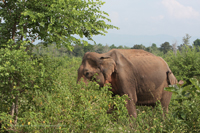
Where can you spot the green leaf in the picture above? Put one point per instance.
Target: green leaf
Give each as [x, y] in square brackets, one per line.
[195, 82]
[187, 88]
[171, 89]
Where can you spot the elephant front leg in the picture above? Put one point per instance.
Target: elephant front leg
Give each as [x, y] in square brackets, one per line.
[131, 107]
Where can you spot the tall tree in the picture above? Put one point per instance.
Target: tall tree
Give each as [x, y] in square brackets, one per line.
[155, 50]
[120, 47]
[78, 51]
[98, 48]
[186, 39]
[186, 42]
[138, 46]
[197, 42]
[51, 21]
[106, 48]
[165, 47]
[88, 48]
[174, 47]
[154, 46]
[113, 46]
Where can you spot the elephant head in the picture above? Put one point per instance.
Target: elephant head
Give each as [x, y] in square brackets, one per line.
[98, 67]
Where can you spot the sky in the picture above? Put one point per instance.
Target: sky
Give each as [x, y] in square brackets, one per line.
[174, 18]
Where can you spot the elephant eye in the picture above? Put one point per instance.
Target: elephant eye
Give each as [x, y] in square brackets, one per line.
[86, 74]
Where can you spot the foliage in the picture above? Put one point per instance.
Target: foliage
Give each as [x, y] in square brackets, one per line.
[113, 46]
[21, 75]
[78, 50]
[56, 103]
[197, 42]
[186, 39]
[39, 93]
[185, 103]
[138, 46]
[165, 47]
[52, 21]
[63, 105]
[184, 64]
[183, 46]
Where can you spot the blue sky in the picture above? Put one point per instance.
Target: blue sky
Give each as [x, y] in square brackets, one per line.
[151, 18]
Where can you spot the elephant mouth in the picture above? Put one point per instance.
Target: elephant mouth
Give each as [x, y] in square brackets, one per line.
[98, 81]
[92, 79]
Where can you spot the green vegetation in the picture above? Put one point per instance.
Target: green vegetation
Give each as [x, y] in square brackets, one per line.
[186, 105]
[51, 21]
[185, 64]
[39, 93]
[79, 49]
[47, 99]
[38, 87]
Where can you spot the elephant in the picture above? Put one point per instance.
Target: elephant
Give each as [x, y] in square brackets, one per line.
[137, 73]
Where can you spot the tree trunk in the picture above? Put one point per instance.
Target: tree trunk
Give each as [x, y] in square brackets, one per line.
[14, 31]
[16, 109]
[12, 110]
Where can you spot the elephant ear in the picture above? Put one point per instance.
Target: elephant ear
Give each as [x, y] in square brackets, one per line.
[107, 66]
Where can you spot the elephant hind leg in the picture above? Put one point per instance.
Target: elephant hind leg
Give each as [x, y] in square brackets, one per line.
[165, 100]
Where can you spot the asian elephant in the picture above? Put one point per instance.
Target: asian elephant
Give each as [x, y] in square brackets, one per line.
[137, 73]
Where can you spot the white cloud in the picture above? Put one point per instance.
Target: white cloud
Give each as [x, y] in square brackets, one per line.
[114, 16]
[180, 11]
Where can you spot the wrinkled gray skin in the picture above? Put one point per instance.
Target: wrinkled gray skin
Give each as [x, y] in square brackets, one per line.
[137, 73]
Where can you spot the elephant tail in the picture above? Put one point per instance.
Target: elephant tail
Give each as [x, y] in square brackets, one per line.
[171, 79]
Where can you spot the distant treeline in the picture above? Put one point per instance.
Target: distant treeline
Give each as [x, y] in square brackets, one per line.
[79, 50]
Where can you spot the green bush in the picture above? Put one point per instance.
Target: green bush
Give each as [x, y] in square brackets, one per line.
[52, 101]
[21, 76]
[185, 64]
[48, 98]
[78, 109]
[186, 104]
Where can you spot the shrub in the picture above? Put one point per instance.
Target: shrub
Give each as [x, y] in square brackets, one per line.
[185, 64]
[21, 76]
[49, 100]
[186, 104]
[52, 101]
